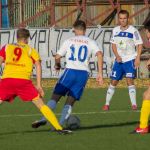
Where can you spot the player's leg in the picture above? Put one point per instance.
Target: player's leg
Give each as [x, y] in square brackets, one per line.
[110, 93]
[58, 92]
[116, 75]
[75, 92]
[67, 109]
[130, 75]
[52, 105]
[145, 113]
[7, 92]
[47, 113]
[1, 101]
[28, 92]
[132, 92]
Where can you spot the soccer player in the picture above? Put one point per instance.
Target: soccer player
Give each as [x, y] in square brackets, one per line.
[145, 110]
[126, 45]
[77, 50]
[18, 59]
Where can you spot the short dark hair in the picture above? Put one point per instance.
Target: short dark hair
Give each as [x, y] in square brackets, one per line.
[79, 24]
[124, 12]
[23, 33]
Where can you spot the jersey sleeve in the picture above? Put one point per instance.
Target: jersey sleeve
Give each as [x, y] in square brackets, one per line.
[95, 48]
[35, 55]
[112, 39]
[63, 49]
[3, 52]
[137, 37]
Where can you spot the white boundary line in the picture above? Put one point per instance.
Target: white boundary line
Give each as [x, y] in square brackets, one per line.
[84, 113]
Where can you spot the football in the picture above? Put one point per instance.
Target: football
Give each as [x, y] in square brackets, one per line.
[73, 122]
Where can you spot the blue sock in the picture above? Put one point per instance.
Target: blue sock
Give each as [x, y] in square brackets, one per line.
[65, 113]
[51, 104]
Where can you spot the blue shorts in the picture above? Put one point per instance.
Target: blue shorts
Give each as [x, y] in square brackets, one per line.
[126, 69]
[72, 82]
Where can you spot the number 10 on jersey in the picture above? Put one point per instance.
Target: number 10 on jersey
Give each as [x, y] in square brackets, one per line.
[81, 57]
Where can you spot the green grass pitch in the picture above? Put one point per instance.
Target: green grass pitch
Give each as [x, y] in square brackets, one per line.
[99, 130]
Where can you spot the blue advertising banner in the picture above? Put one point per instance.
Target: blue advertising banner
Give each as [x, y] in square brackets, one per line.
[5, 16]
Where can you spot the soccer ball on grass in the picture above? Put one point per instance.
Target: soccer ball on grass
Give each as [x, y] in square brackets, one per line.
[73, 122]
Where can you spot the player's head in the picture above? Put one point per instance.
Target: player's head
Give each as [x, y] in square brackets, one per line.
[147, 30]
[79, 27]
[123, 17]
[23, 35]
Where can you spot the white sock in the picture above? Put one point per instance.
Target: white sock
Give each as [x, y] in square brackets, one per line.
[132, 94]
[110, 93]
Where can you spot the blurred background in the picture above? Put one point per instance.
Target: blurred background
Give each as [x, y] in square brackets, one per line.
[41, 15]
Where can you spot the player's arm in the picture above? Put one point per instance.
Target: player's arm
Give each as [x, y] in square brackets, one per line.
[138, 43]
[148, 64]
[60, 53]
[98, 52]
[38, 77]
[2, 55]
[37, 62]
[137, 59]
[57, 62]
[1, 60]
[99, 78]
[114, 48]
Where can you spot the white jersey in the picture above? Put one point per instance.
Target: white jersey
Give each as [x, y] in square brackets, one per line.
[78, 50]
[126, 42]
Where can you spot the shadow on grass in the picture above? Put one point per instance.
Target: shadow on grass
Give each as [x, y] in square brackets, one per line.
[24, 132]
[114, 125]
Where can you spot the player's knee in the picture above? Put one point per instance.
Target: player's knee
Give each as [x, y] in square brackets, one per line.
[114, 82]
[130, 82]
[56, 97]
[70, 101]
[1, 101]
[38, 103]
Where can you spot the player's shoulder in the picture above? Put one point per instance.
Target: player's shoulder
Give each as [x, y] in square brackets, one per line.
[132, 28]
[3, 47]
[116, 28]
[9, 46]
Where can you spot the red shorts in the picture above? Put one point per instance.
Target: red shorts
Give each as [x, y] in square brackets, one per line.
[10, 88]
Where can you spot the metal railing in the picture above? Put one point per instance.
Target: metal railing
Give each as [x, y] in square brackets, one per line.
[46, 13]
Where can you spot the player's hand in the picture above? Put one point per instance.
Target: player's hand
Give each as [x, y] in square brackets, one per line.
[99, 79]
[137, 62]
[118, 59]
[148, 64]
[57, 69]
[40, 90]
